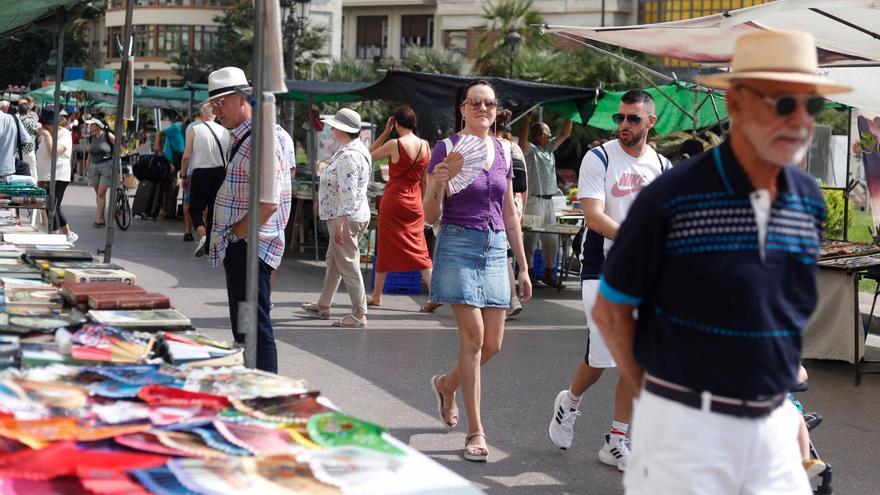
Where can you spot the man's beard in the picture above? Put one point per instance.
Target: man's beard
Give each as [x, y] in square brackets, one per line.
[633, 140]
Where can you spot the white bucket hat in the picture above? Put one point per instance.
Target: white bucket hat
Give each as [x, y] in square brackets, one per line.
[225, 81]
[346, 120]
[784, 56]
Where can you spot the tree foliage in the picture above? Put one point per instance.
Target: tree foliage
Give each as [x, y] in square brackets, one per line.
[434, 60]
[503, 17]
[25, 54]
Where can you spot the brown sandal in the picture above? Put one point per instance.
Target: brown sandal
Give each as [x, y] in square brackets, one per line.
[429, 307]
[452, 422]
[473, 453]
[370, 302]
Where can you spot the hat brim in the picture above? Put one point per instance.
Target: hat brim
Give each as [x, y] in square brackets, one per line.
[725, 80]
[224, 93]
[339, 125]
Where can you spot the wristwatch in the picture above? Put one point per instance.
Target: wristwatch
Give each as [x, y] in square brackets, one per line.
[232, 237]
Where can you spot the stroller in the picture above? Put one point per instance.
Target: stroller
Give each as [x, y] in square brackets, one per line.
[813, 420]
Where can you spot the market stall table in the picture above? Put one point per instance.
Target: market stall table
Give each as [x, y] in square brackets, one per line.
[836, 331]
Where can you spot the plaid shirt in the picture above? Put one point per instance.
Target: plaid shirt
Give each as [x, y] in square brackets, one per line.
[231, 204]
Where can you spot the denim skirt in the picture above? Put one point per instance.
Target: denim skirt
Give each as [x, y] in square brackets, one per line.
[470, 267]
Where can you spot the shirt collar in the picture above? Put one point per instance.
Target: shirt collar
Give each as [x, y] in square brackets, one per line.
[736, 176]
[242, 128]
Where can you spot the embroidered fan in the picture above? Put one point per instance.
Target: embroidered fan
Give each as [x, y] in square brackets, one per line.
[474, 152]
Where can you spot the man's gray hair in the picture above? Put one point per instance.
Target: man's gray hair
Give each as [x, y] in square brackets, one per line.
[206, 112]
[4, 106]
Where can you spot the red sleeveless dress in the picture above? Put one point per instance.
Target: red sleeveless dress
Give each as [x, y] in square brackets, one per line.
[401, 243]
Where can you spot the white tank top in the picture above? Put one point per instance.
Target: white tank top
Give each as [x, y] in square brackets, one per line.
[205, 153]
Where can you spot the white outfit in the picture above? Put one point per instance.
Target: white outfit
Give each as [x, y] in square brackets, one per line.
[741, 456]
[62, 167]
[205, 153]
[617, 187]
[598, 355]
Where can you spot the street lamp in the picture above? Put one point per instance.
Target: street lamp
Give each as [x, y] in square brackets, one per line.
[296, 15]
[512, 41]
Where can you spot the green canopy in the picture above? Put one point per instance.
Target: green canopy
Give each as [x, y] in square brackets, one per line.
[671, 101]
[19, 14]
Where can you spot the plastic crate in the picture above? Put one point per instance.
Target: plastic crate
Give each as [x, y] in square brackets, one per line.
[538, 264]
[400, 282]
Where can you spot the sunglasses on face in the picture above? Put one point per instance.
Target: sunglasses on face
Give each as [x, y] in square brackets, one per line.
[476, 103]
[217, 104]
[786, 104]
[632, 118]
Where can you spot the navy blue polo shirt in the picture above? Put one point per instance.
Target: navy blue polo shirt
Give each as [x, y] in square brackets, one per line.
[712, 314]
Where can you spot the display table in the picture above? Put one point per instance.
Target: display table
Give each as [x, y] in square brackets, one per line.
[836, 331]
[566, 233]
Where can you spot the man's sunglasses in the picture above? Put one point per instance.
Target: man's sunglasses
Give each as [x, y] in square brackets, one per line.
[632, 118]
[786, 104]
[477, 103]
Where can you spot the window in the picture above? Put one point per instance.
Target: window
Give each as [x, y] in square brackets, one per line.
[372, 36]
[651, 11]
[144, 40]
[172, 40]
[416, 30]
[204, 37]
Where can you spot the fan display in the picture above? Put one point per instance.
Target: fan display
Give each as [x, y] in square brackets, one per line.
[474, 153]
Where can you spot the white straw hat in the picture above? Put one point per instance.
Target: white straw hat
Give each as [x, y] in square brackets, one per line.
[346, 120]
[784, 56]
[225, 81]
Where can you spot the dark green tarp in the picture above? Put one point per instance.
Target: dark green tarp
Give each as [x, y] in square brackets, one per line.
[20, 14]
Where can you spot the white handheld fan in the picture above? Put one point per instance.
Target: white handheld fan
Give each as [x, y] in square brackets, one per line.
[474, 152]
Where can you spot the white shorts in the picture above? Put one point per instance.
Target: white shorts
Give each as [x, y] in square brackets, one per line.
[597, 355]
[682, 450]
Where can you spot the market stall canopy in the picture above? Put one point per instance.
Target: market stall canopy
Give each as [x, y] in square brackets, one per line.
[91, 89]
[845, 31]
[21, 14]
[163, 97]
[675, 104]
[431, 96]
[865, 82]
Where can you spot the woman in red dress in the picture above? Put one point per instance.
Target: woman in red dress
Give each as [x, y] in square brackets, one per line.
[401, 245]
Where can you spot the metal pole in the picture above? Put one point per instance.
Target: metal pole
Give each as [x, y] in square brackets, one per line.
[291, 68]
[603, 14]
[312, 149]
[117, 148]
[59, 73]
[846, 178]
[247, 309]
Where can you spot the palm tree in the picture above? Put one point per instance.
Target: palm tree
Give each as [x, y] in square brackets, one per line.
[504, 17]
[347, 70]
[434, 60]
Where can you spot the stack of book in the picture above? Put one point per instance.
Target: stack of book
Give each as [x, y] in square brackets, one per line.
[112, 295]
[194, 349]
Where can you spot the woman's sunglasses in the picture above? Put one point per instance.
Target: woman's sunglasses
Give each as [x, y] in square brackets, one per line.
[632, 118]
[476, 104]
[786, 104]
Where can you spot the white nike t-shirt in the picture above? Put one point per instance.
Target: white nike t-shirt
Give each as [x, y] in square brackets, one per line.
[621, 183]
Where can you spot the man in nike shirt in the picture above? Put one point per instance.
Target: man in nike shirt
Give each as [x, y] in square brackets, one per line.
[611, 177]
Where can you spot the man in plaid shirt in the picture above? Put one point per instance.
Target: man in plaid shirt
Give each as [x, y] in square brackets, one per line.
[231, 216]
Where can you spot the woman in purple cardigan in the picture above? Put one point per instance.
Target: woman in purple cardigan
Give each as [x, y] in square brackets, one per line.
[470, 267]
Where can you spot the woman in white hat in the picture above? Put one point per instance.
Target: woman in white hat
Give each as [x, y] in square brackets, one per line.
[100, 162]
[342, 203]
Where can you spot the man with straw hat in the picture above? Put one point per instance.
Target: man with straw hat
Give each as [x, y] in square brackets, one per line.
[719, 258]
[231, 215]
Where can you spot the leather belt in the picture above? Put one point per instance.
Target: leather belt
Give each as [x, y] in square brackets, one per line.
[758, 408]
[547, 196]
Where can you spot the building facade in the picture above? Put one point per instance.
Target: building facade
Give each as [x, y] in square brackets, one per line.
[164, 29]
[382, 30]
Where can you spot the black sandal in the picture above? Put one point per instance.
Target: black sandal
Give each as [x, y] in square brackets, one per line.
[187, 237]
[98, 225]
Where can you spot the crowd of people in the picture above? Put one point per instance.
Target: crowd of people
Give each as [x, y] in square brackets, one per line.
[662, 245]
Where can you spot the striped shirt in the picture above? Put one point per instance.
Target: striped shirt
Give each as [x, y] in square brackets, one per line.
[232, 200]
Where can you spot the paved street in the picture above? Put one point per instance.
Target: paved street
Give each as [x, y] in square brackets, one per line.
[382, 373]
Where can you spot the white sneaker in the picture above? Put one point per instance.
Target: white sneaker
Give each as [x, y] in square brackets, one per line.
[617, 454]
[200, 248]
[562, 425]
[72, 237]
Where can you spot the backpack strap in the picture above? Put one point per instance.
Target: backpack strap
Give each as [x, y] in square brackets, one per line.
[603, 155]
[663, 167]
[236, 146]
[219, 146]
[17, 135]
